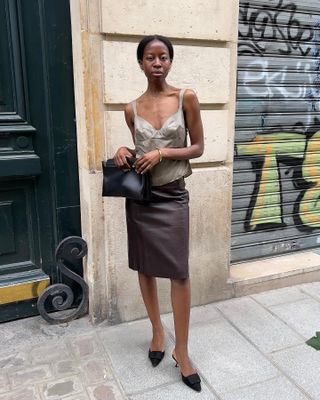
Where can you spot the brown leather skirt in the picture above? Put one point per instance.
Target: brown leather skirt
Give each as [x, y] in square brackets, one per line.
[158, 232]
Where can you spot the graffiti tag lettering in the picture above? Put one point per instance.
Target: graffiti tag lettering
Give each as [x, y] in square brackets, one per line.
[268, 150]
[277, 23]
[290, 149]
[309, 207]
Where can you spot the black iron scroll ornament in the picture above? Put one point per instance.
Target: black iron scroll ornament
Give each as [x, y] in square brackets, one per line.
[59, 296]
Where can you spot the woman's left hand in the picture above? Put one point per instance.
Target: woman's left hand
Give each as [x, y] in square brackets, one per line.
[147, 161]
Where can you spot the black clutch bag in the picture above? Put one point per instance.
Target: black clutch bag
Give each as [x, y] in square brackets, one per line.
[120, 183]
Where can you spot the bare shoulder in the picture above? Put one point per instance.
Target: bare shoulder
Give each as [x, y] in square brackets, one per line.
[128, 113]
[128, 108]
[190, 99]
[190, 95]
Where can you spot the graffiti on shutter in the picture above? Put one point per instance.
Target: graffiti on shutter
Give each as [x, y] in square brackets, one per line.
[276, 190]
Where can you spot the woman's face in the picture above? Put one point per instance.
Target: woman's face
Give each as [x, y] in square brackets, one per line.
[156, 61]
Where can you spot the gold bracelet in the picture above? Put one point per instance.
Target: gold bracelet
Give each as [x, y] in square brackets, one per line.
[160, 155]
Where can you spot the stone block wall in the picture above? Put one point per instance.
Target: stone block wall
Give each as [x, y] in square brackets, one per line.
[107, 76]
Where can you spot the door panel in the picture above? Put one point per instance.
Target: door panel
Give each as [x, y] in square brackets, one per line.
[39, 193]
[12, 94]
[19, 229]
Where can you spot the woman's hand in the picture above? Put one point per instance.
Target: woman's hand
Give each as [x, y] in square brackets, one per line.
[147, 161]
[120, 158]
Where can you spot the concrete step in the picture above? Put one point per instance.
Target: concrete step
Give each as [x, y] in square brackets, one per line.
[275, 272]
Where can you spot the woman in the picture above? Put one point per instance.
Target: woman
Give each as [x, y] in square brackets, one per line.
[158, 230]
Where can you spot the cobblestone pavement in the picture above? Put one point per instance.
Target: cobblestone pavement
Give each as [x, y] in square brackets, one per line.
[249, 348]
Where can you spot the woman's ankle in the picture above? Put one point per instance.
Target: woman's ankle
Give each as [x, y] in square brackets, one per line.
[181, 351]
[158, 340]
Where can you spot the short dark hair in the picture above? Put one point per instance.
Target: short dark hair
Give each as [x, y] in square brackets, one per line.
[147, 39]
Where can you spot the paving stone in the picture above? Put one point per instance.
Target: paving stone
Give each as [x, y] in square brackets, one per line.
[302, 364]
[49, 353]
[4, 383]
[127, 346]
[278, 389]
[106, 391]
[55, 390]
[85, 346]
[313, 289]
[198, 315]
[30, 375]
[257, 324]
[17, 360]
[27, 332]
[66, 367]
[176, 391]
[28, 393]
[279, 296]
[225, 359]
[303, 316]
[95, 371]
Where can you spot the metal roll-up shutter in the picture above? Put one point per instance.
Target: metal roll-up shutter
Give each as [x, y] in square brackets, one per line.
[276, 189]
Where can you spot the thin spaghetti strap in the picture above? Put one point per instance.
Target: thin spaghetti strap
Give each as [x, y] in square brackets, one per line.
[134, 107]
[181, 98]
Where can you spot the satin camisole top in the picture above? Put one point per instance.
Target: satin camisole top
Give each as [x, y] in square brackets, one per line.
[173, 133]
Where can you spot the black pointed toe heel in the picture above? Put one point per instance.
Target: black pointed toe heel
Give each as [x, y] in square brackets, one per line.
[193, 380]
[156, 357]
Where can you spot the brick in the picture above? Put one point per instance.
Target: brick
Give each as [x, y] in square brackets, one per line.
[13, 361]
[95, 371]
[30, 375]
[85, 346]
[66, 367]
[106, 391]
[49, 353]
[21, 394]
[55, 390]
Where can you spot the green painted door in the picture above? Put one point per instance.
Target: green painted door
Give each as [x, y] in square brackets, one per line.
[39, 193]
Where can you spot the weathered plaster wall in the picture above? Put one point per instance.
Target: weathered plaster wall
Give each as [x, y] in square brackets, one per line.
[107, 76]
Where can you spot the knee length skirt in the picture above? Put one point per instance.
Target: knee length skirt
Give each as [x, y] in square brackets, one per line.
[158, 232]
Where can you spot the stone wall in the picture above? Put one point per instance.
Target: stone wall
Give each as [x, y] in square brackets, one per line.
[107, 76]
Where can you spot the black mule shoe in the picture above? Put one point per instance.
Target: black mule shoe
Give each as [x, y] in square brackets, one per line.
[193, 380]
[156, 357]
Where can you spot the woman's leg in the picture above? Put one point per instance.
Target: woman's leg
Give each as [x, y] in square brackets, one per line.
[181, 299]
[148, 287]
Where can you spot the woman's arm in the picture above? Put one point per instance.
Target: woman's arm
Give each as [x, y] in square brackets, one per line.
[194, 124]
[123, 152]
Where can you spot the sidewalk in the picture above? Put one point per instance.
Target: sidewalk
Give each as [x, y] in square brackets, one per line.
[249, 348]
